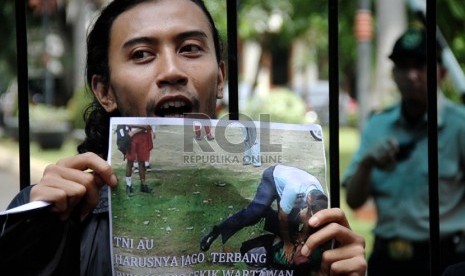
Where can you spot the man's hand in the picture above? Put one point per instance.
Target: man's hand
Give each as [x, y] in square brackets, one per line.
[348, 258]
[74, 181]
[288, 246]
[288, 250]
[383, 155]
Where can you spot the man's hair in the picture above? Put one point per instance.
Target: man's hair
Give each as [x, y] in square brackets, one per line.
[98, 42]
[318, 201]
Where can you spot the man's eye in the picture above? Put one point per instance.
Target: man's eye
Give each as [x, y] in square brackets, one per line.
[140, 55]
[192, 49]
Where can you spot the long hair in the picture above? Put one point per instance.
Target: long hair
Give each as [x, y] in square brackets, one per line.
[98, 41]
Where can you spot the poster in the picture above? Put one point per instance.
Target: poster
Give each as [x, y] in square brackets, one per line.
[200, 174]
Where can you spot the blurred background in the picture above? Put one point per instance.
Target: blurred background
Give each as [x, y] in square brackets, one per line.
[282, 58]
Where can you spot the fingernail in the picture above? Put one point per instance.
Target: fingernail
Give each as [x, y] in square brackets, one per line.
[114, 179]
[305, 251]
[314, 221]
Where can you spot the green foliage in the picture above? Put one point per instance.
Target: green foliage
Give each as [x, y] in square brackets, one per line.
[303, 19]
[8, 44]
[77, 105]
[450, 92]
[42, 112]
[218, 11]
[451, 21]
[308, 20]
[283, 106]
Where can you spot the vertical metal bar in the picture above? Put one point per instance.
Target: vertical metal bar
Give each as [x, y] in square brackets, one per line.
[333, 30]
[233, 94]
[432, 136]
[23, 95]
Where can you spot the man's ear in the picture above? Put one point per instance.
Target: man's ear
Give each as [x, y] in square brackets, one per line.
[103, 93]
[220, 80]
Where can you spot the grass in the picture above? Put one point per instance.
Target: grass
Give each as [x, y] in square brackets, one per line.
[183, 207]
[180, 198]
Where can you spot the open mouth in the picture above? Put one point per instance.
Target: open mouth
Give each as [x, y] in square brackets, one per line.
[174, 107]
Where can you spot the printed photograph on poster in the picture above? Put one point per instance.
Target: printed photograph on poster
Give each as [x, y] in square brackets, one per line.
[214, 197]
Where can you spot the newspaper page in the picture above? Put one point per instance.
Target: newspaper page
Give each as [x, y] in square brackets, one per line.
[206, 200]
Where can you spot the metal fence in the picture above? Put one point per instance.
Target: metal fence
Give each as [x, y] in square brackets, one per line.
[21, 37]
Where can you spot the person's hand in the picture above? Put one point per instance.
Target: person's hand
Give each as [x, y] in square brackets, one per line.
[383, 155]
[73, 182]
[298, 258]
[348, 258]
[288, 250]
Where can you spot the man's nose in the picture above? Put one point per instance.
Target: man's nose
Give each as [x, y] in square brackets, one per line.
[170, 70]
[413, 73]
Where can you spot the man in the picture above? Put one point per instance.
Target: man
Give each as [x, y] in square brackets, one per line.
[252, 147]
[391, 165]
[198, 132]
[148, 166]
[145, 58]
[141, 145]
[294, 190]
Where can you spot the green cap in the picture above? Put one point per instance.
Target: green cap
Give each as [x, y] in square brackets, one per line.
[411, 44]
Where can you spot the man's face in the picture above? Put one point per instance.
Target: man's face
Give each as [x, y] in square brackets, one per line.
[162, 61]
[410, 77]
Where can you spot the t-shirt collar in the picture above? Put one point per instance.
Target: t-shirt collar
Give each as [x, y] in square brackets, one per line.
[440, 106]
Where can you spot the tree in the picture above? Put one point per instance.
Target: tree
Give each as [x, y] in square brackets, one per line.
[8, 45]
[275, 24]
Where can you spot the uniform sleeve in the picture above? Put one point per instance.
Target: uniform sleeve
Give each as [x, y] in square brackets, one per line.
[287, 199]
[21, 198]
[365, 144]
